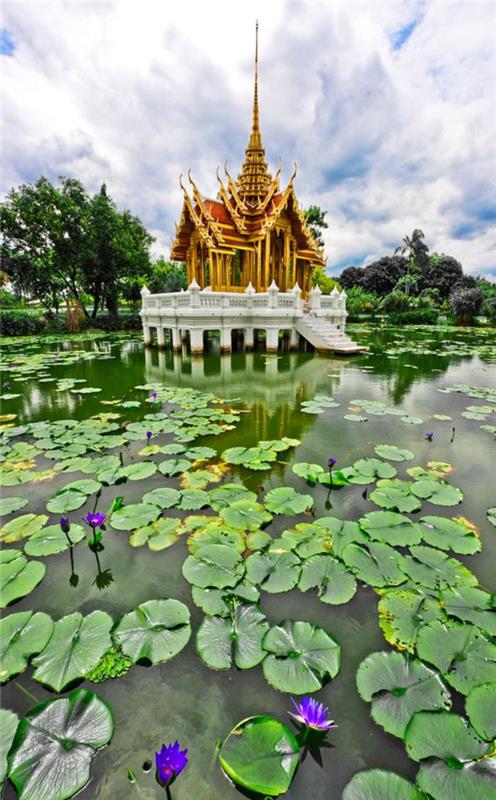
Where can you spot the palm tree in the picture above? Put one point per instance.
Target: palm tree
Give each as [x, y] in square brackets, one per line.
[416, 252]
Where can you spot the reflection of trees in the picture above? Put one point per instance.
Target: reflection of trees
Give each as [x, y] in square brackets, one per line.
[396, 368]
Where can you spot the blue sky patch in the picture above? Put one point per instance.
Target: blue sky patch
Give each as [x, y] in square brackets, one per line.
[403, 34]
[7, 45]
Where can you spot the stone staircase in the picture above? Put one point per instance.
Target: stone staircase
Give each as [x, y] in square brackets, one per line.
[326, 337]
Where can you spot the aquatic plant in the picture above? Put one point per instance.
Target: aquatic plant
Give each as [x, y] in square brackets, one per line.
[170, 762]
[312, 714]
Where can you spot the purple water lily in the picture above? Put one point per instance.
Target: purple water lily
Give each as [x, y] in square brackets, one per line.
[170, 762]
[312, 714]
[154, 395]
[95, 520]
[429, 435]
[331, 462]
[149, 435]
[65, 524]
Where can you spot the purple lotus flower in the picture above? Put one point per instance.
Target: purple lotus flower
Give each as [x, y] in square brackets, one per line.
[331, 462]
[429, 435]
[95, 520]
[65, 524]
[170, 762]
[154, 395]
[312, 714]
[149, 435]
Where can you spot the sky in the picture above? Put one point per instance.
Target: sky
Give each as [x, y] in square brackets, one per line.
[387, 108]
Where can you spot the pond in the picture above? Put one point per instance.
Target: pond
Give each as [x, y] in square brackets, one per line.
[303, 409]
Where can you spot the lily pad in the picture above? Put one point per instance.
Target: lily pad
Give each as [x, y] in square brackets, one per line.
[471, 605]
[334, 583]
[454, 761]
[155, 631]
[18, 576]
[222, 641]
[285, 500]
[215, 565]
[75, 647]
[139, 471]
[398, 686]
[437, 492]
[403, 612]
[174, 466]
[163, 497]
[245, 515]
[219, 602]
[391, 528]
[273, 572]
[53, 540]
[301, 657]
[228, 493]
[393, 453]
[368, 470]
[448, 534]
[377, 784]
[22, 635]
[193, 499]
[491, 515]
[158, 535]
[22, 527]
[55, 743]
[378, 564]
[310, 472]
[433, 569]
[8, 727]
[260, 754]
[395, 495]
[10, 504]
[481, 710]
[462, 653]
[136, 515]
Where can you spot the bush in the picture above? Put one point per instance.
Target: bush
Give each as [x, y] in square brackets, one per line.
[395, 301]
[8, 299]
[465, 304]
[20, 322]
[415, 316]
[360, 302]
[106, 322]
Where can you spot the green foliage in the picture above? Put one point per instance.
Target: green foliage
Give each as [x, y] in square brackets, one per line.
[442, 273]
[465, 304]
[489, 291]
[324, 281]
[59, 243]
[381, 276]
[21, 322]
[414, 316]
[315, 219]
[395, 301]
[113, 664]
[167, 276]
[8, 299]
[361, 302]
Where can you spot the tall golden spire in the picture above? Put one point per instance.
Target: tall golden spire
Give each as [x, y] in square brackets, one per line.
[254, 180]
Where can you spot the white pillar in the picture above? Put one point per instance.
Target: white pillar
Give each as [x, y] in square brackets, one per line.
[160, 337]
[272, 340]
[176, 340]
[147, 336]
[196, 341]
[249, 338]
[225, 340]
[294, 342]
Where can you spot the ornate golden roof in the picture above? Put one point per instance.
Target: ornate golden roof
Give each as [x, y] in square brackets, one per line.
[254, 181]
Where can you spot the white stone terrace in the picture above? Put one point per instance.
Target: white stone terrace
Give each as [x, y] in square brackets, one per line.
[177, 316]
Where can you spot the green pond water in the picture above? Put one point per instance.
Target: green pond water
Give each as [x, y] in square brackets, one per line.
[183, 699]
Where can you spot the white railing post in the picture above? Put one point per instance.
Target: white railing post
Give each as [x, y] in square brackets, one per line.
[194, 294]
[314, 298]
[273, 291]
[296, 292]
[249, 291]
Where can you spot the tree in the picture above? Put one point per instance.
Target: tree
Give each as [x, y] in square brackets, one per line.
[350, 277]
[416, 252]
[315, 219]
[395, 301]
[117, 252]
[465, 304]
[442, 273]
[324, 281]
[489, 291]
[361, 302]
[167, 276]
[381, 276]
[44, 231]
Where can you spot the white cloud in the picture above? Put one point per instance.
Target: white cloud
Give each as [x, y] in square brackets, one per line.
[386, 139]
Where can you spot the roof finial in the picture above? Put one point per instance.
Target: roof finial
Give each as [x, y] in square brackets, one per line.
[256, 120]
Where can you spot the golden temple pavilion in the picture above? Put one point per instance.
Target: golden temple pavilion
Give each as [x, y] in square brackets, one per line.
[252, 232]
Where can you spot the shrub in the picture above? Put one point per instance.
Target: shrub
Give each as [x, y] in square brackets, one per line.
[21, 322]
[415, 316]
[361, 302]
[124, 322]
[8, 299]
[395, 301]
[465, 304]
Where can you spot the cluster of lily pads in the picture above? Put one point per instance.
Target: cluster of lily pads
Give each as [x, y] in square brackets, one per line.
[431, 609]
